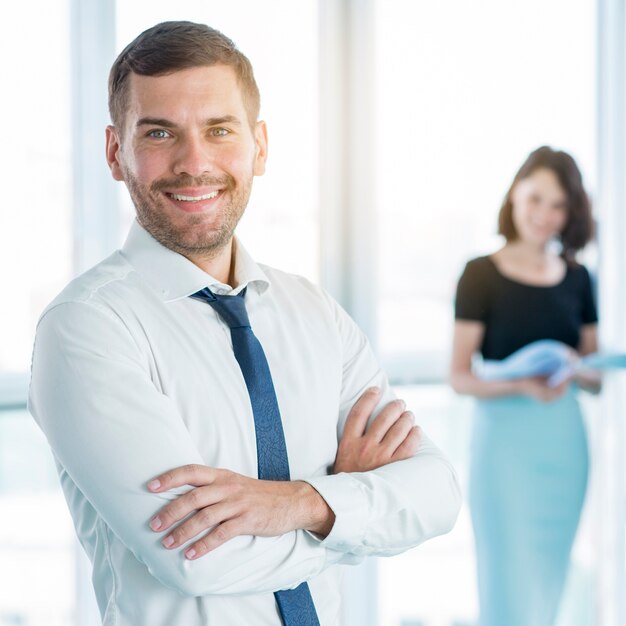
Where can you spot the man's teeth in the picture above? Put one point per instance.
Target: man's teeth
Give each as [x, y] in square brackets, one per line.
[206, 196]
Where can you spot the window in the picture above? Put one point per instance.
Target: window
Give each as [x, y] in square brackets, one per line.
[36, 217]
[37, 543]
[464, 92]
[36, 254]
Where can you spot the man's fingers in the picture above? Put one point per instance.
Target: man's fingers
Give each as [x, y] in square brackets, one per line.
[203, 520]
[179, 508]
[409, 446]
[385, 419]
[196, 475]
[219, 535]
[360, 412]
[398, 432]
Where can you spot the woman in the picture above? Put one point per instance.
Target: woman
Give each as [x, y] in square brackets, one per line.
[528, 471]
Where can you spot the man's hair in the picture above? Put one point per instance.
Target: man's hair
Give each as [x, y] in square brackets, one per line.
[173, 46]
[578, 229]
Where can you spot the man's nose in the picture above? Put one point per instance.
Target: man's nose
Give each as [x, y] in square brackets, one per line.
[194, 157]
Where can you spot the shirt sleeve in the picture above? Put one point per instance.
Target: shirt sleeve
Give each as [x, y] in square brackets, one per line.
[395, 507]
[589, 314]
[112, 430]
[472, 293]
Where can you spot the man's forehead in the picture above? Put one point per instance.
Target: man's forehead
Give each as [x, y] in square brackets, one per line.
[212, 80]
[214, 88]
[204, 74]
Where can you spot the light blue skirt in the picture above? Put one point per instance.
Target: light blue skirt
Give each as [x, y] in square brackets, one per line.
[528, 475]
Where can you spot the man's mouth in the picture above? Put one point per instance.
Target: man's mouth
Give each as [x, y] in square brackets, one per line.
[185, 198]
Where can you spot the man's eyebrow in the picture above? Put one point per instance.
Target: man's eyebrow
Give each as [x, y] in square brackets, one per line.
[155, 121]
[212, 121]
[225, 119]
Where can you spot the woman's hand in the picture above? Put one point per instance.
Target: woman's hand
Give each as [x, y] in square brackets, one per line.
[589, 380]
[539, 389]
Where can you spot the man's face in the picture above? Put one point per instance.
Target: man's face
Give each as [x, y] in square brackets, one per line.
[188, 154]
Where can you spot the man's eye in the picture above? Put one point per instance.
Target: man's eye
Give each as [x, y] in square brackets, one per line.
[158, 134]
[219, 132]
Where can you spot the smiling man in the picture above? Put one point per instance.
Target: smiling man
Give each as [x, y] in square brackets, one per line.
[189, 174]
[223, 434]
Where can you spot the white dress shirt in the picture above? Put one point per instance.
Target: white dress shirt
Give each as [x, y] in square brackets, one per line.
[131, 377]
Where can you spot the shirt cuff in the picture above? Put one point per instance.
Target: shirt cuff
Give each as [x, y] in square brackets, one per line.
[348, 499]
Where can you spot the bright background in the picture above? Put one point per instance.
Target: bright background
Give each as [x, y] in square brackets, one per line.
[395, 129]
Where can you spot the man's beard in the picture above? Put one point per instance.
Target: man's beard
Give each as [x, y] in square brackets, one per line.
[188, 235]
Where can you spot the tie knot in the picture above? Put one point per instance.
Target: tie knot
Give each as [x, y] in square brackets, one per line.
[232, 309]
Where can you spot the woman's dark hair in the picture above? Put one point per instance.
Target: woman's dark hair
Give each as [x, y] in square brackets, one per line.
[578, 229]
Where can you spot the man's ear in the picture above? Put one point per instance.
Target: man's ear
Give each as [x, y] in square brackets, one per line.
[260, 139]
[113, 147]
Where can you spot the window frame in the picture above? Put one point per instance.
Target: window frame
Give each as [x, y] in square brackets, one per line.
[611, 202]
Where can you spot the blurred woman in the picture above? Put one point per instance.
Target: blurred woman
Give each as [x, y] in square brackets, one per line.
[528, 471]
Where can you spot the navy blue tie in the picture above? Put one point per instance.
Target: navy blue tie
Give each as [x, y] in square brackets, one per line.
[295, 605]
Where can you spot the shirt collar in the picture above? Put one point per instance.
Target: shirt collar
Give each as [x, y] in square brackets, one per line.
[174, 277]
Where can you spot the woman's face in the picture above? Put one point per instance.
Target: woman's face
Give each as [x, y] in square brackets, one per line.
[539, 207]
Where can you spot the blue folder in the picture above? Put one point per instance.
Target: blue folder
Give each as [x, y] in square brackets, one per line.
[547, 358]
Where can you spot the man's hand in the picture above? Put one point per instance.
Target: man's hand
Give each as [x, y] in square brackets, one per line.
[231, 504]
[392, 436]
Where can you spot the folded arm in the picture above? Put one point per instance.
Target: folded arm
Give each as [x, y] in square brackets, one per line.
[228, 504]
[112, 431]
[400, 504]
[391, 489]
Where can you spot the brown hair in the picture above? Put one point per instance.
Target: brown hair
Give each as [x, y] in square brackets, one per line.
[578, 229]
[172, 46]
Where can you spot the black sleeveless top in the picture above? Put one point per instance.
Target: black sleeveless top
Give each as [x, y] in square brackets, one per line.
[515, 314]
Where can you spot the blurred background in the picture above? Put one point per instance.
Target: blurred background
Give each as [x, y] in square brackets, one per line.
[395, 129]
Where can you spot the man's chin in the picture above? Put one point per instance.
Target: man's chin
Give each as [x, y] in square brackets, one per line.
[207, 245]
[189, 239]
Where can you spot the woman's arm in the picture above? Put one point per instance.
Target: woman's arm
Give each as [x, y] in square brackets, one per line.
[588, 339]
[468, 336]
[589, 380]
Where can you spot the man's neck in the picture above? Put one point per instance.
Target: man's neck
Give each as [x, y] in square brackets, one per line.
[220, 265]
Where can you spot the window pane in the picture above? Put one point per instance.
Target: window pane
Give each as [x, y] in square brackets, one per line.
[465, 91]
[36, 214]
[280, 39]
[37, 545]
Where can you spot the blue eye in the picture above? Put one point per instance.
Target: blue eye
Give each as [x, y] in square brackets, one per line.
[158, 134]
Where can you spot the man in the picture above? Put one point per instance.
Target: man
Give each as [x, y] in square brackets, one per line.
[170, 413]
